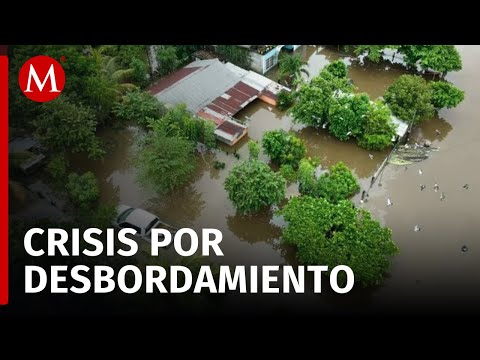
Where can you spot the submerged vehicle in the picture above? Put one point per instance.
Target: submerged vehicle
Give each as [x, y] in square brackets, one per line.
[140, 220]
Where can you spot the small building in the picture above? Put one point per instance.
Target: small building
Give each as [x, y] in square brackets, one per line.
[216, 91]
[265, 57]
[401, 128]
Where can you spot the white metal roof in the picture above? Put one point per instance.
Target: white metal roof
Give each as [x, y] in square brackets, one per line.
[140, 218]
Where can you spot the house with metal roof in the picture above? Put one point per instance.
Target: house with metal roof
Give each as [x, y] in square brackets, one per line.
[216, 91]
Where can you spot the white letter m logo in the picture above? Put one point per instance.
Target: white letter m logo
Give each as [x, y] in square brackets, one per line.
[50, 74]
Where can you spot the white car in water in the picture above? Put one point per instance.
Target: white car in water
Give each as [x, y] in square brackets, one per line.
[140, 220]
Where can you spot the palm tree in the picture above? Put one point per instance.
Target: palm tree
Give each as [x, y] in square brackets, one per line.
[291, 68]
[108, 68]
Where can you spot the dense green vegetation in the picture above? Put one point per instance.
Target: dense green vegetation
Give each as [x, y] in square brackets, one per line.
[253, 186]
[179, 122]
[332, 234]
[139, 107]
[234, 54]
[167, 59]
[253, 150]
[409, 98]
[283, 148]
[329, 100]
[335, 185]
[82, 189]
[291, 68]
[165, 163]
[445, 95]
[439, 58]
[285, 99]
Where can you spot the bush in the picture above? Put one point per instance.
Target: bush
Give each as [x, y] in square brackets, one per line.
[83, 189]
[283, 148]
[140, 107]
[409, 98]
[253, 186]
[167, 59]
[338, 184]
[445, 95]
[165, 163]
[57, 168]
[348, 116]
[253, 149]
[288, 173]
[329, 234]
[284, 99]
[337, 69]
[379, 129]
[180, 122]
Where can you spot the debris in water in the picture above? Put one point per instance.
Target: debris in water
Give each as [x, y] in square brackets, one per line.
[406, 155]
[465, 186]
[442, 197]
[370, 156]
[324, 126]
[269, 108]
[437, 132]
[464, 248]
[420, 172]
[416, 228]
[435, 187]
[422, 187]
[389, 202]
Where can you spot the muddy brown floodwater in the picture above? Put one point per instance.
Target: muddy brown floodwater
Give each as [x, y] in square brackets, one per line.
[431, 263]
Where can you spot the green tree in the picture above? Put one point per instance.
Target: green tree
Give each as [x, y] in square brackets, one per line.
[82, 189]
[57, 168]
[348, 115]
[252, 186]
[373, 52]
[379, 128]
[167, 59]
[313, 100]
[288, 173]
[336, 185]
[283, 148]
[409, 98]
[234, 54]
[165, 163]
[65, 126]
[180, 122]
[253, 150]
[329, 234]
[291, 67]
[140, 107]
[285, 99]
[445, 95]
[441, 58]
[139, 71]
[337, 69]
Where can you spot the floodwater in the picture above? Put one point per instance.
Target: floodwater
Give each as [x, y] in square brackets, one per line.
[431, 263]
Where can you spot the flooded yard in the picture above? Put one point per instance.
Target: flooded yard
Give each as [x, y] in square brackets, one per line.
[431, 261]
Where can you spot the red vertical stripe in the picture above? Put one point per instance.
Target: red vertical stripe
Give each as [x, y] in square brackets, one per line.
[4, 180]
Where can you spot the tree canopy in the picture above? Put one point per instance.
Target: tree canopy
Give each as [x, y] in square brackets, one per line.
[283, 148]
[180, 122]
[329, 234]
[348, 115]
[234, 54]
[379, 129]
[165, 163]
[253, 186]
[140, 107]
[337, 68]
[445, 95]
[167, 59]
[409, 98]
[291, 67]
[66, 126]
[337, 184]
[83, 189]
